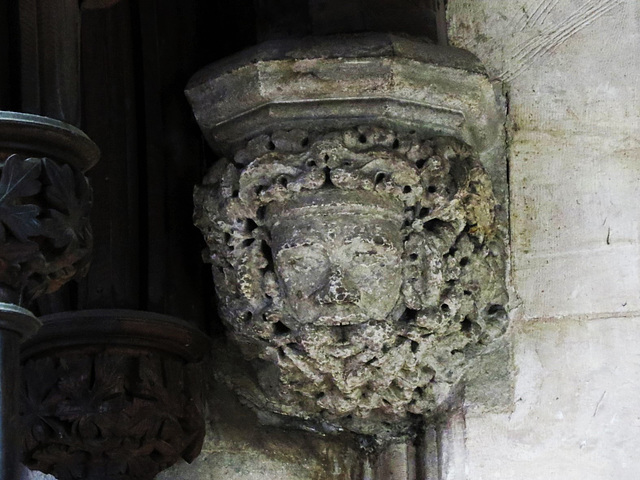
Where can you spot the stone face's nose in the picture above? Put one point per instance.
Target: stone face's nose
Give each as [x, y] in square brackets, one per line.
[338, 290]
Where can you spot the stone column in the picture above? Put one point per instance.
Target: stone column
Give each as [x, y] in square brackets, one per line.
[356, 230]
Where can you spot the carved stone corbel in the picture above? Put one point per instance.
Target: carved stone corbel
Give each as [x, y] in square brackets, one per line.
[112, 394]
[357, 228]
[45, 237]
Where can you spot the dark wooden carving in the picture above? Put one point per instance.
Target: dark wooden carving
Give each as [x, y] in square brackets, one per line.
[45, 235]
[111, 395]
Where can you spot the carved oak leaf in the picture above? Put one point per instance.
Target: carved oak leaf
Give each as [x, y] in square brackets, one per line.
[12, 254]
[81, 395]
[19, 179]
[70, 196]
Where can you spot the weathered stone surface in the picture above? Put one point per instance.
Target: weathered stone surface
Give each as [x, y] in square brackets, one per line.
[359, 270]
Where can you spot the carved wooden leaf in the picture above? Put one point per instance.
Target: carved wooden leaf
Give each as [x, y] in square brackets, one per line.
[19, 179]
[14, 253]
[61, 190]
[22, 220]
[69, 194]
[108, 416]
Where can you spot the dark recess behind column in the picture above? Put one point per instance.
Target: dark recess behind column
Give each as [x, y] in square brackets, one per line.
[175, 40]
[295, 18]
[9, 56]
[109, 118]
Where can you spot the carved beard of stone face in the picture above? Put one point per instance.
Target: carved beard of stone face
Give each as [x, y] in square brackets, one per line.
[337, 263]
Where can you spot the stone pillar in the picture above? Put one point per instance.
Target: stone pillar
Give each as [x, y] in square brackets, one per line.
[356, 230]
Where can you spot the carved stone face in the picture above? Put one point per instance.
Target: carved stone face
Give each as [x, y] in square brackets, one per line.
[338, 269]
[360, 271]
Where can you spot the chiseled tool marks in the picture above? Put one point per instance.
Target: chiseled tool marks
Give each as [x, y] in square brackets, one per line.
[552, 35]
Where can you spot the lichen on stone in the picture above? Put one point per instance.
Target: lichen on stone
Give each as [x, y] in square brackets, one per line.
[359, 271]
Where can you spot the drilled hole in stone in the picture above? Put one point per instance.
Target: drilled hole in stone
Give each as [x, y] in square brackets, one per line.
[311, 163]
[420, 163]
[406, 189]
[424, 212]
[445, 308]
[304, 142]
[413, 257]
[467, 292]
[495, 309]
[408, 316]
[464, 261]
[283, 181]
[362, 138]
[396, 144]
[432, 189]
[265, 249]
[434, 225]
[280, 328]
[271, 146]
[466, 324]
[378, 240]
[250, 225]
[414, 346]
[379, 178]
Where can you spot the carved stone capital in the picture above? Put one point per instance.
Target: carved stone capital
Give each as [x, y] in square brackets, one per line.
[45, 200]
[357, 231]
[112, 395]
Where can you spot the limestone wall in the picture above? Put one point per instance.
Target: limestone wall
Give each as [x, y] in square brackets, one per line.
[570, 69]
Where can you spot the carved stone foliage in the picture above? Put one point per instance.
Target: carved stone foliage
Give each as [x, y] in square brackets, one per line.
[120, 411]
[359, 270]
[45, 235]
[80, 409]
